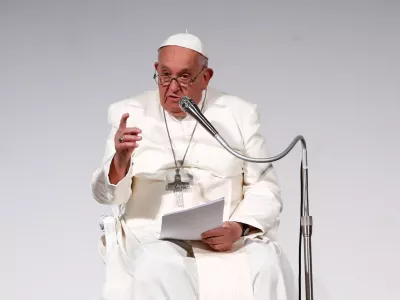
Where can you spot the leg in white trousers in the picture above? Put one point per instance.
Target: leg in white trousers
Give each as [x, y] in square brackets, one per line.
[167, 270]
[271, 273]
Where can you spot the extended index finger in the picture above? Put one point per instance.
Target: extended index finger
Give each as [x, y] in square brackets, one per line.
[122, 123]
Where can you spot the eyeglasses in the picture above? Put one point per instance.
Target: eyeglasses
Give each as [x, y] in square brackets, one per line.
[184, 80]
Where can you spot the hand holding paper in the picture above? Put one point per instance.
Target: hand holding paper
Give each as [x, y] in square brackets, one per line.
[223, 238]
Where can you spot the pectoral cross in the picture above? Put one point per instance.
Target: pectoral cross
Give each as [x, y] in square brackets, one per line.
[178, 186]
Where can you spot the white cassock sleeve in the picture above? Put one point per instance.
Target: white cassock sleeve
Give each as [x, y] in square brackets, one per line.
[103, 191]
[261, 203]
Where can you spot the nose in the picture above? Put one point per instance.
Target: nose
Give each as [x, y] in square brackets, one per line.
[174, 85]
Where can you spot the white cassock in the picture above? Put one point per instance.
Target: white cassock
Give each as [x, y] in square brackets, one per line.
[138, 264]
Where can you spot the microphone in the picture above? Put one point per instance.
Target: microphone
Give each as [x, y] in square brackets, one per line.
[190, 107]
[306, 222]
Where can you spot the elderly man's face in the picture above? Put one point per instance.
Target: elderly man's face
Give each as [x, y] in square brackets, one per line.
[177, 67]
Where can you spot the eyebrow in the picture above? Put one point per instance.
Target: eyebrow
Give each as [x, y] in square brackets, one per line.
[184, 70]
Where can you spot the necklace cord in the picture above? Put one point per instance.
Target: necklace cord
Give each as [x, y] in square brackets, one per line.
[191, 137]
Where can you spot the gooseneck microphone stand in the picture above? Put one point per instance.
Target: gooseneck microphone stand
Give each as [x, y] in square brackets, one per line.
[189, 106]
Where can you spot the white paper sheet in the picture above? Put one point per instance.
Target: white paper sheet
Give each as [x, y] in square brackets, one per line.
[190, 223]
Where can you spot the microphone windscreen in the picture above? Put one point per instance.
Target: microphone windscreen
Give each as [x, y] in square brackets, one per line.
[185, 103]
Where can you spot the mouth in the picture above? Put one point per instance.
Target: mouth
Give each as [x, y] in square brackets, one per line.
[173, 98]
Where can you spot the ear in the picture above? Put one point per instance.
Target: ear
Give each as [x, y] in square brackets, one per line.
[208, 74]
[156, 64]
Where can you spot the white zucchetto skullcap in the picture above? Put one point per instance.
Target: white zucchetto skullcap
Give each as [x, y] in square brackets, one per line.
[185, 40]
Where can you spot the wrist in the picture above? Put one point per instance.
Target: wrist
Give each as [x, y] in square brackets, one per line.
[238, 227]
[118, 170]
[121, 164]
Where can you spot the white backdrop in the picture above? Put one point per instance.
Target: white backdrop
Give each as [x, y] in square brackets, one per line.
[329, 70]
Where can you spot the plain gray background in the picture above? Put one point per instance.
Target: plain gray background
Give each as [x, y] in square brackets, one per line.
[329, 70]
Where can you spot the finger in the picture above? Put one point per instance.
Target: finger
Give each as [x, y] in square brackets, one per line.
[222, 247]
[127, 146]
[214, 233]
[131, 138]
[215, 240]
[131, 131]
[122, 123]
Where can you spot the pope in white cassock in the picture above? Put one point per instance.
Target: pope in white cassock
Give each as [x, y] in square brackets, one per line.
[154, 144]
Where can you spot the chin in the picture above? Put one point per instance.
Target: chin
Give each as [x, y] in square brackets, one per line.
[178, 114]
[175, 109]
